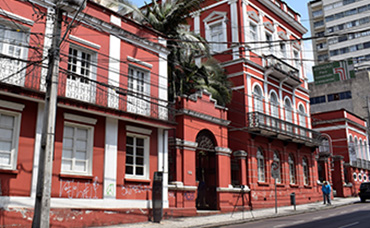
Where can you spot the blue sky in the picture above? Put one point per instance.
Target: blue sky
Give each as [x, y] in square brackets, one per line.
[299, 6]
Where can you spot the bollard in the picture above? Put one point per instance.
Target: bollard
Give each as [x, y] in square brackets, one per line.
[292, 199]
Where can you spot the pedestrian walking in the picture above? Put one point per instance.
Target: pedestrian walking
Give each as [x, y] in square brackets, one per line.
[326, 190]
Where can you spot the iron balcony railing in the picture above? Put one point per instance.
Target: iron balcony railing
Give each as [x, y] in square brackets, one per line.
[272, 126]
[361, 163]
[72, 86]
[282, 70]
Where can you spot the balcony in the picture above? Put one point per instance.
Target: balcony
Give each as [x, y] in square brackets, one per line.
[361, 163]
[96, 93]
[282, 70]
[273, 127]
[11, 71]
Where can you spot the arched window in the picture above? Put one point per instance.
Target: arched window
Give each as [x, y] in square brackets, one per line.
[302, 119]
[361, 151]
[258, 105]
[324, 146]
[274, 106]
[306, 171]
[291, 169]
[352, 149]
[261, 165]
[277, 160]
[356, 148]
[288, 114]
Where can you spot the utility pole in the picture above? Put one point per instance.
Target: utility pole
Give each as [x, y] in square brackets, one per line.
[41, 217]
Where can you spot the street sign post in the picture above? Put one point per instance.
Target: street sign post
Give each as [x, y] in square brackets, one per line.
[275, 173]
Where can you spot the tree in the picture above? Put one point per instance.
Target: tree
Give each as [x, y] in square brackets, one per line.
[185, 76]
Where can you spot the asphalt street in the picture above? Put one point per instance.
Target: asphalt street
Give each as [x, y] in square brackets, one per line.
[349, 216]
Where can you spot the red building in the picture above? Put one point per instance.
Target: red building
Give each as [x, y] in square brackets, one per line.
[112, 115]
[344, 152]
[115, 128]
[258, 43]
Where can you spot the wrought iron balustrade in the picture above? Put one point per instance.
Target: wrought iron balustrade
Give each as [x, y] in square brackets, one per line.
[270, 126]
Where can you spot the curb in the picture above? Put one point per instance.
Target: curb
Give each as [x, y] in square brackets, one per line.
[285, 214]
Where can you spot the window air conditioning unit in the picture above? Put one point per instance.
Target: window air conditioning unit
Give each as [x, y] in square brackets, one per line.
[71, 6]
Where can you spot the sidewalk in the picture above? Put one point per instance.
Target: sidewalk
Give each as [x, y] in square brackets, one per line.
[239, 217]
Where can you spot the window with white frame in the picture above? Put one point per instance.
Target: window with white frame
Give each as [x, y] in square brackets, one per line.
[80, 73]
[269, 42]
[215, 24]
[292, 171]
[139, 91]
[9, 135]
[261, 165]
[277, 160]
[283, 51]
[306, 172]
[216, 37]
[253, 30]
[297, 60]
[258, 99]
[288, 114]
[13, 43]
[77, 149]
[137, 156]
[356, 148]
[302, 119]
[274, 106]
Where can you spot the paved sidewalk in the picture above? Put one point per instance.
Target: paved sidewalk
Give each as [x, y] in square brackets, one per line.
[239, 217]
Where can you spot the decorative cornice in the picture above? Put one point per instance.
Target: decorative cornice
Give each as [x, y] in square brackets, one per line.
[16, 17]
[204, 117]
[186, 144]
[11, 105]
[85, 42]
[223, 151]
[132, 59]
[81, 119]
[179, 186]
[138, 130]
[253, 15]
[295, 24]
[269, 26]
[232, 189]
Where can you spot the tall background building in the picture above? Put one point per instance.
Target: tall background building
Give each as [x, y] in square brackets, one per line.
[348, 18]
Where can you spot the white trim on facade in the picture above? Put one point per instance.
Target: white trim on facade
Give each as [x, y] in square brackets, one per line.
[85, 42]
[138, 130]
[11, 105]
[82, 119]
[110, 158]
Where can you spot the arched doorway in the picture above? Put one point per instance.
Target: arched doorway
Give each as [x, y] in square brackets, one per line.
[206, 171]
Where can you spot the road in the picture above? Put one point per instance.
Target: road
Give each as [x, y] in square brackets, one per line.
[351, 216]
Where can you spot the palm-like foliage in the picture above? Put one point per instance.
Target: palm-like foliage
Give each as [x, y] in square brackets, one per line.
[185, 77]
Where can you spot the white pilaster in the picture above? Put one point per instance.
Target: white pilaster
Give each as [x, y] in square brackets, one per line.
[49, 27]
[163, 88]
[110, 158]
[234, 27]
[114, 65]
[163, 162]
[36, 155]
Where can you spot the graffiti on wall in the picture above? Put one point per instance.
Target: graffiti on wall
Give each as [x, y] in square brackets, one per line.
[110, 190]
[76, 189]
[134, 189]
[189, 195]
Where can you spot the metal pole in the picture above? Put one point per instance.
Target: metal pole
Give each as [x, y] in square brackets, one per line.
[43, 190]
[275, 198]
